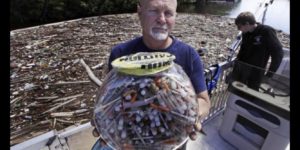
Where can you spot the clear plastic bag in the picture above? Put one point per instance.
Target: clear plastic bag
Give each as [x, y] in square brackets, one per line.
[146, 112]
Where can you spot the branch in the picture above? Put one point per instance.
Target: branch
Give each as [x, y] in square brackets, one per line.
[60, 105]
[70, 82]
[90, 73]
[66, 98]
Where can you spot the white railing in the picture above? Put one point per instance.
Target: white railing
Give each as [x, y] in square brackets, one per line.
[220, 94]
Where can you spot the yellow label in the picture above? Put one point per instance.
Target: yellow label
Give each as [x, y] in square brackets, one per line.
[144, 63]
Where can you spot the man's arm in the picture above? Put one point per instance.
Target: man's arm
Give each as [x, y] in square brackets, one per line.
[203, 111]
[204, 103]
[276, 51]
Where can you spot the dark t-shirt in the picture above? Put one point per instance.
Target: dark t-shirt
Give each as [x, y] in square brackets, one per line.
[185, 55]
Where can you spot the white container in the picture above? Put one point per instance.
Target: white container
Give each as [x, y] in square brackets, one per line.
[248, 125]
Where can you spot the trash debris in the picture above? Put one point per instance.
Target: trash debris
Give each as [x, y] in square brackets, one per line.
[54, 47]
[29, 86]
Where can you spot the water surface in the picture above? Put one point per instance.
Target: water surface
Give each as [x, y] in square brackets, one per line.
[277, 14]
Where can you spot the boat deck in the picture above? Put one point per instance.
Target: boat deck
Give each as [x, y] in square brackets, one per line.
[212, 140]
[82, 141]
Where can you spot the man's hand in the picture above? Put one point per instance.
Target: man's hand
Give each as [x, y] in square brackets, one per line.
[203, 110]
[95, 131]
[204, 104]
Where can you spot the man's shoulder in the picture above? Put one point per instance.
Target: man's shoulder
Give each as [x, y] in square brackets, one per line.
[127, 44]
[178, 42]
[182, 47]
[265, 28]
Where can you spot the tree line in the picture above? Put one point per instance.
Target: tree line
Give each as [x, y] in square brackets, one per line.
[26, 13]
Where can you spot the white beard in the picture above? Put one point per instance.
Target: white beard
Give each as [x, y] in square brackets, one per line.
[159, 35]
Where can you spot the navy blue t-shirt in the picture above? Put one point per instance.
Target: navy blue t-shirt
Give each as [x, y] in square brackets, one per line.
[185, 55]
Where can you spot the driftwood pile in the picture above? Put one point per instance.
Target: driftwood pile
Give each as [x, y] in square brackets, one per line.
[56, 69]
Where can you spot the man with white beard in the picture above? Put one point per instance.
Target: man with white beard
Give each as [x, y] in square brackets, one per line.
[157, 18]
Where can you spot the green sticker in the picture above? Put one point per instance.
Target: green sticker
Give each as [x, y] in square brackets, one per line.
[144, 63]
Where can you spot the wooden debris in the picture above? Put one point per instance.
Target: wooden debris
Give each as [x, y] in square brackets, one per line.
[60, 105]
[65, 121]
[28, 129]
[90, 73]
[97, 66]
[46, 98]
[15, 100]
[69, 82]
[66, 98]
[68, 114]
